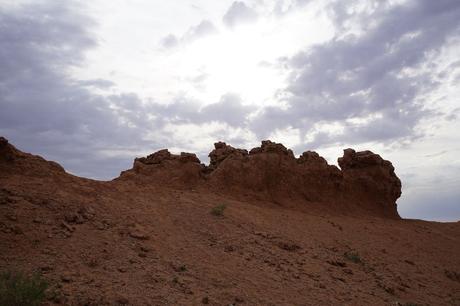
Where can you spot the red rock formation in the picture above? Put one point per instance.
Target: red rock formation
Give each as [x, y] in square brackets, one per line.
[370, 179]
[366, 184]
[221, 152]
[13, 159]
[162, 167]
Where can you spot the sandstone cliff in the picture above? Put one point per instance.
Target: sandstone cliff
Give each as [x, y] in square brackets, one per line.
[366, 183]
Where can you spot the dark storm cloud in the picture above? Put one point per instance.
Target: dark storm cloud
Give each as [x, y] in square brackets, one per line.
[239, 13]
[46, 112]
[359, 75]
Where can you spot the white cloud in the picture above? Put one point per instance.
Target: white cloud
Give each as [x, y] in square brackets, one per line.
[239, 13]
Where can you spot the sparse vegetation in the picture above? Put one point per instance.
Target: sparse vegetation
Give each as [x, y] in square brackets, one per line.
[18, 289]
[182, 268]
[353, 256]
[218, 210]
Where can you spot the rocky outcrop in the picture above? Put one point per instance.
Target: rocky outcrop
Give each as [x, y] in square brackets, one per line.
[165, 155]
[366, 183]
[271, 172]
[272, 147]
[13, 160]
[221, 152]
[173, 170]
[311, 158]
[370, 179]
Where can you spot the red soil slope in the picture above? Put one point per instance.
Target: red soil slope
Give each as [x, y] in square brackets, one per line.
[295, 231]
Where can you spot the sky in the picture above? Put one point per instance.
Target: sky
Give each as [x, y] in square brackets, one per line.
[93, 84]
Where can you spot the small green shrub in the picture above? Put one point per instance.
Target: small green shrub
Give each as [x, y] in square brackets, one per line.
[17, 289]
[353, 256]
[218, 210]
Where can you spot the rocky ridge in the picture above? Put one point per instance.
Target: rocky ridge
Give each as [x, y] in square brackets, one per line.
[366, 183]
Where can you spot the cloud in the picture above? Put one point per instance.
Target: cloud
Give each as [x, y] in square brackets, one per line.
[437, 154]
[239, 13]
[433, 194]
[430, 205]
[377, 76]
[45, 111]
[203, 29]
[229, 109]
[169, 41]
[96, 83]
[365, 85]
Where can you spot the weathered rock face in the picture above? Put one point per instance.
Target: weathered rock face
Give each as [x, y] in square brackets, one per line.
[366, 183]
[6, 151]
[24, 163]
[272, 147]
[271, 172]
[221, 152]
[166, 168]
[163, 155]
[370, 179]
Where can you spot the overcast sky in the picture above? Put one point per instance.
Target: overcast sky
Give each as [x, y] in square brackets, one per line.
[94, 85]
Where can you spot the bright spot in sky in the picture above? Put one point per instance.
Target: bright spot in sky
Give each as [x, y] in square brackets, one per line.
[246, 59]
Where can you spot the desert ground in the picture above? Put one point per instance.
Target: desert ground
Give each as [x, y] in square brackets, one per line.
[253, 228]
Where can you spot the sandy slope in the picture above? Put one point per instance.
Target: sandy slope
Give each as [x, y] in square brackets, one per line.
[139, 242]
